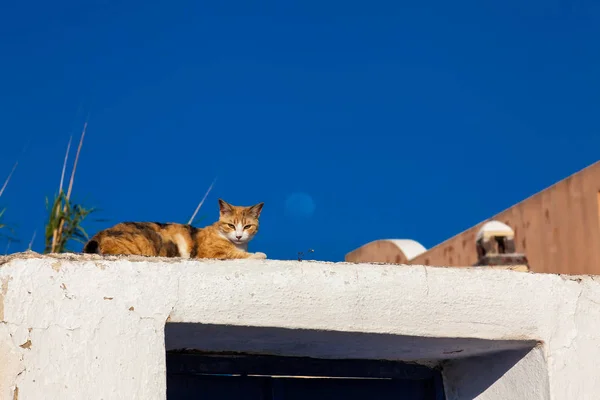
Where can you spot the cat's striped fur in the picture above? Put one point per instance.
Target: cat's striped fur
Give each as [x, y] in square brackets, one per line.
[225, 239]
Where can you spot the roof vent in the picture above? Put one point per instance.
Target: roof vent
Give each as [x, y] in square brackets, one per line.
[495, 244]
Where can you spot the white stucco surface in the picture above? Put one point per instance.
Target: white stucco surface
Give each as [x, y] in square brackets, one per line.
[83, 327]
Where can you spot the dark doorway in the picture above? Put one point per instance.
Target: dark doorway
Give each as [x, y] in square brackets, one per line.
[200, 375]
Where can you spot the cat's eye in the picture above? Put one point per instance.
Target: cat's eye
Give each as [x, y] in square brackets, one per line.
[248, 227]
[232, 226]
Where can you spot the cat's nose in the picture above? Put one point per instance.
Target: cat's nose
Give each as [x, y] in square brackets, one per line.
[238, 237]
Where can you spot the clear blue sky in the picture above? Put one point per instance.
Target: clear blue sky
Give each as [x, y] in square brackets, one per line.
[390, 115]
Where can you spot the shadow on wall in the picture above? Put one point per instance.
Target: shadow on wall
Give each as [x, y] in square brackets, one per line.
[509, 374]
[330, 344]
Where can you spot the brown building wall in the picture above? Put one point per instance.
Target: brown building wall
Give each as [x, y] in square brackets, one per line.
[558, 229]
[380, 251]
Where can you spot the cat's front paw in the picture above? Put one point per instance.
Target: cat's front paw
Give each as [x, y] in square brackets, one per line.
[258, 256]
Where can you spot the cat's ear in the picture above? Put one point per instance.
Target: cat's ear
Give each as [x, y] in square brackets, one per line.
[225, 207]
[256, 209]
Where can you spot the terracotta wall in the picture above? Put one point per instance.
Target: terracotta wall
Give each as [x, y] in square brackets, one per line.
[558, 229]
[380, 251]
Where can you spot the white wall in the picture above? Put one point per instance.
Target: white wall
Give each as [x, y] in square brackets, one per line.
[80, 327]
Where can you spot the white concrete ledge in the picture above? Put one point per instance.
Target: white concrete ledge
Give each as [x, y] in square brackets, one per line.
[88, 328]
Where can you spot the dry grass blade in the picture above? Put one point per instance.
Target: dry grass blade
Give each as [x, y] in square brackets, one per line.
[12, 171]
[202, 202]
[54, 220]
[32, 239]
[65, 218]
[60, 187]
[59, 228]
[62, 175]
[76, 160]
[2, 211]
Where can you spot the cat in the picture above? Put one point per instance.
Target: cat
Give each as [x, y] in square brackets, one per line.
[225, 239]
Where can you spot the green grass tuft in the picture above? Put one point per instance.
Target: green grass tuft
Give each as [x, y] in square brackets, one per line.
[64, 224]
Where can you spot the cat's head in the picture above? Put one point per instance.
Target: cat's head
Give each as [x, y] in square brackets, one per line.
[238, 224]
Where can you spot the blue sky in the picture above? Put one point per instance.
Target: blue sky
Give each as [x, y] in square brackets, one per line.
[391, 116]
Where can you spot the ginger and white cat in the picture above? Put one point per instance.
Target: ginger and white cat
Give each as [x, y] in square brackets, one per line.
[227, 238]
